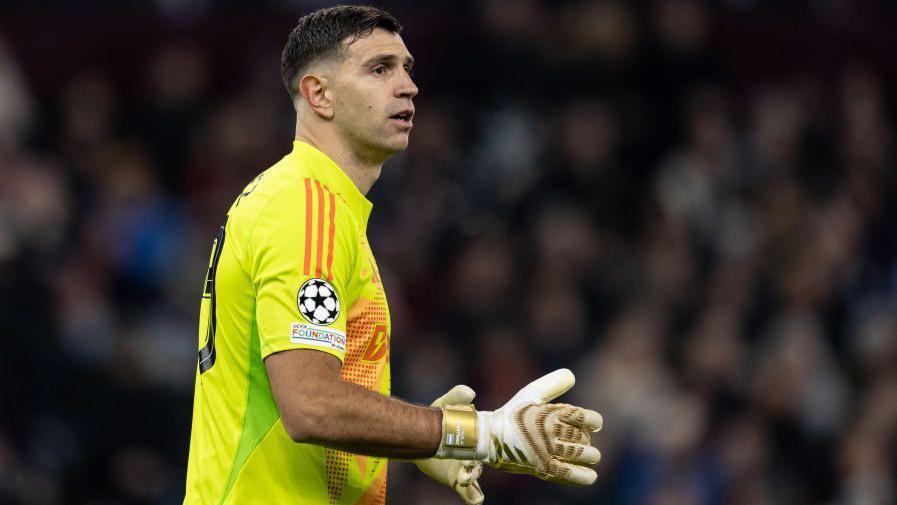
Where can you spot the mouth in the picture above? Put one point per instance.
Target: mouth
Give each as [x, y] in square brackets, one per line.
[403, 118]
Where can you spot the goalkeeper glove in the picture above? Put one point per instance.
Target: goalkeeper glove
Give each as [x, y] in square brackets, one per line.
[527, 435]
[459, 475]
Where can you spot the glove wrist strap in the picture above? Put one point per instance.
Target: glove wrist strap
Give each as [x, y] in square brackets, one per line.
[485, 429]
[460, 433]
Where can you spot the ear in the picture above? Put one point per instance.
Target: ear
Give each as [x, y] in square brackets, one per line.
[313, 89]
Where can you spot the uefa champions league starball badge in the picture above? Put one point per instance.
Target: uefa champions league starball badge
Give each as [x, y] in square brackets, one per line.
[318, 302]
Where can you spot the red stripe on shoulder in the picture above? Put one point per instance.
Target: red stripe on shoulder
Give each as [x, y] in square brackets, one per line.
[331, 236]
[306, 265]
[319, 255]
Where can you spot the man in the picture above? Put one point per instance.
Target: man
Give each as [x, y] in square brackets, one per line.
[292, 394]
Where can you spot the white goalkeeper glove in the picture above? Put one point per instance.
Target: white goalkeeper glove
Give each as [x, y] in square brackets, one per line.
[527, 434]
[459, 475]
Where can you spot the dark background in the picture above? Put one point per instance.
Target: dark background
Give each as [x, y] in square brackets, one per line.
[690, 204]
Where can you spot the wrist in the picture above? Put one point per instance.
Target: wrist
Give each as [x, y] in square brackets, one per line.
[460, 433]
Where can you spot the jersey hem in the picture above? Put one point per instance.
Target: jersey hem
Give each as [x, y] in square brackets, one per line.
[248, 457]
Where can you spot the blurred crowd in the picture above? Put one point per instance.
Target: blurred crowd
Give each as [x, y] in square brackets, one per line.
[692, 205]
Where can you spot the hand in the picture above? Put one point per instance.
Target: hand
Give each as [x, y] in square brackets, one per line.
[457, 474]
[548, 440]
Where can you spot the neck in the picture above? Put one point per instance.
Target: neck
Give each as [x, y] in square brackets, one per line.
[363, 171]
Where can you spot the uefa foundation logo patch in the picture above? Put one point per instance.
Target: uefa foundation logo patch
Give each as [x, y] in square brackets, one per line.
[318, 302]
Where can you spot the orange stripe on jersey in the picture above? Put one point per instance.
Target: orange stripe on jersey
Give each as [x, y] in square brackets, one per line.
[330, 237]
[306, 266]
[320, 249]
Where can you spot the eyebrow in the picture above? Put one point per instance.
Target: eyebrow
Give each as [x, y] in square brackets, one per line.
[387, 58]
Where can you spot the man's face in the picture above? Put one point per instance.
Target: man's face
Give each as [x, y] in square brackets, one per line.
[373, 94]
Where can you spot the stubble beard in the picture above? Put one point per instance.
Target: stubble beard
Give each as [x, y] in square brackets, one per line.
[376, 145]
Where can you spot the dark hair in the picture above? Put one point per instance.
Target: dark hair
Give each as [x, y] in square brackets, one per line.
[321, 33]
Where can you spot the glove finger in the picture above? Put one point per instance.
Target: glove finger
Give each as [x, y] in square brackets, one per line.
[458, 395]
[546, 388]
[469, 472]
[577, 453]
[572, 475]
[472, 494]
[586, 419]
[569, 433]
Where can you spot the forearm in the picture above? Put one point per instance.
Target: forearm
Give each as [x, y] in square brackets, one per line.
[354, 419]
[318, 407]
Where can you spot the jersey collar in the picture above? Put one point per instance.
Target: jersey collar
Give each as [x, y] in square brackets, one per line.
[336, 178]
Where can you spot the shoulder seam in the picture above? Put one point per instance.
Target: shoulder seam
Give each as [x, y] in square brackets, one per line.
[262, 210]
[325, 259]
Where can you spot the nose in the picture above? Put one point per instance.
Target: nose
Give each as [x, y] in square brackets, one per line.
[406, 87]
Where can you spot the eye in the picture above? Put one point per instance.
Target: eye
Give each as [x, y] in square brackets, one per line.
[410, 70]
[379, 69]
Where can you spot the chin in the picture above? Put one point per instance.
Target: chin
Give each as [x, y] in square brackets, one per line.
[402, 145]
[396, 146]
[385, 148]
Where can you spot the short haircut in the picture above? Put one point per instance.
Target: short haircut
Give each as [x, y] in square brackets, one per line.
[321, 33]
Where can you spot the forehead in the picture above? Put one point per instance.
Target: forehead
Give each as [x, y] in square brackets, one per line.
[379, 42]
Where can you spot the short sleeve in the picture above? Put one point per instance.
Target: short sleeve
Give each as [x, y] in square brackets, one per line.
[300, 260]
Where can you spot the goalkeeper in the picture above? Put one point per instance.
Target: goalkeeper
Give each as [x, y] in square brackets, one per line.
[292, 401]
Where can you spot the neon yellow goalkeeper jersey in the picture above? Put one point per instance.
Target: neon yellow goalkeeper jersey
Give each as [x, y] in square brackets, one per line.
[291, 268]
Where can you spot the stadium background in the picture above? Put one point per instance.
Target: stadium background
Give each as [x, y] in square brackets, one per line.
[691, 204]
